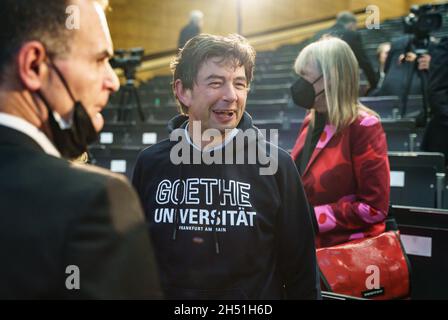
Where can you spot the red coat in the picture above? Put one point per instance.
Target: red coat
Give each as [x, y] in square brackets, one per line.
[347, 180]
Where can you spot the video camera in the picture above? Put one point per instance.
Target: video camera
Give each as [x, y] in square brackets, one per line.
[421, 21]
[128, 60]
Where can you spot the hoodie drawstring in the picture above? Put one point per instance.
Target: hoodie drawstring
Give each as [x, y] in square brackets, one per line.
[215, 233]
[176, 224]
[176, 215]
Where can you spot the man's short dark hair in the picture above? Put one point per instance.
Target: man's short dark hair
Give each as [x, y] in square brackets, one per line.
[345, 17]
[232, 49]
[27, 20]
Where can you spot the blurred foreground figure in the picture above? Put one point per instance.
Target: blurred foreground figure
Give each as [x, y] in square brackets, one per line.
[67, 230]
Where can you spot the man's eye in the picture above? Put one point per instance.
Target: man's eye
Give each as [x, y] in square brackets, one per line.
[215, 84]
[241, 86]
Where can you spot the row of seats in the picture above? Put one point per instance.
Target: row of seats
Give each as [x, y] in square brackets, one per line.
[279, 114]
[271, 107]
[417, 178]
[276, 65]
[401, 134]
[273, 99]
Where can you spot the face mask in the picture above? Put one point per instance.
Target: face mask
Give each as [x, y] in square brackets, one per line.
[303, 93]
[72, 141]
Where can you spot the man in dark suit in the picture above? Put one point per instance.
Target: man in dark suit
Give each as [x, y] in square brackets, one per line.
[193, 28]
[67, 230]
[345, 29]
[436, 131]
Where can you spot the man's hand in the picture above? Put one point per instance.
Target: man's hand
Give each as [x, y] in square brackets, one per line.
[423, 62]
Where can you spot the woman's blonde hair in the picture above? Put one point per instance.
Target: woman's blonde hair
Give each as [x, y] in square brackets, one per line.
[339, 68]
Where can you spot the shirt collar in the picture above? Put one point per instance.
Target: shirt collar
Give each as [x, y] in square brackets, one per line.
[31, 131]
[229, 138]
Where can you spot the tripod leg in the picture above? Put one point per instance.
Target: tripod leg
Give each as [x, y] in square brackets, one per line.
[407, 88]
[121, 106]
[139, 106]
[126, 109]
[423, 75]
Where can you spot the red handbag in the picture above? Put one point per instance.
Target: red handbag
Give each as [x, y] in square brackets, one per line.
[373, 268]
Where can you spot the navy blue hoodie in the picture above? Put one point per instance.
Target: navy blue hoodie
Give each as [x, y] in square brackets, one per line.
[223, 231]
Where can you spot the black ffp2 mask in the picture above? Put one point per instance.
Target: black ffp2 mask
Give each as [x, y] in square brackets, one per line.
[303, 93]
[73, 141]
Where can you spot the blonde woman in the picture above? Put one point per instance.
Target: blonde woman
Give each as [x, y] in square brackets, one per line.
[341, 150]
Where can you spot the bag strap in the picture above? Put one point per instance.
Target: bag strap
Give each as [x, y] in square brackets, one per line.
[324, 281]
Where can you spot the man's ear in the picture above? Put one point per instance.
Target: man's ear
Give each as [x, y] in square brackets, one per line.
[182, 93]
[30, 65]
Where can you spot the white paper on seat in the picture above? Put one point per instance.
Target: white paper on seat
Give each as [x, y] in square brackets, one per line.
[118, 166]
[397, 178]
[149, 138]
[417, 245]
[106, 137]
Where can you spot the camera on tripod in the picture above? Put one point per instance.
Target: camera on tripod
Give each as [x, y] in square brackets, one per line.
[421, 21]
[127, 60]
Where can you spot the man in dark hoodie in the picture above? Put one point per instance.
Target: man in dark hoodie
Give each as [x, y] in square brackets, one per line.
[226, 209]
[345, 29]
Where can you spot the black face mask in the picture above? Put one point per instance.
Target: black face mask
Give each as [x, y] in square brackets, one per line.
[303, 93]
[71, 142]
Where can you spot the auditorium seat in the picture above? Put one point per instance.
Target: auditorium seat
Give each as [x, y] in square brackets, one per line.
[270, 92]
[119, 159]
[274, 68]
[156, 98]
[132, 134]
[283, 78]
[445, 195]
[424, 234]
[390, 107]
[286, 129]
[402, 134]
[110, 113]
[415, 180]
[162, 113]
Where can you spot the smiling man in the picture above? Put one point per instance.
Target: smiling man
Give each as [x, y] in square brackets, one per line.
[220, 230]
[68, 231]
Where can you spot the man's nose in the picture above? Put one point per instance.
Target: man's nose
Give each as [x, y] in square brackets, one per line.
[112, 82]
[230, 93]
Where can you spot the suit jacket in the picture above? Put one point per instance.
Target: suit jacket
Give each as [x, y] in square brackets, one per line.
[438, 81]
[347, 180]
[189, 31]
[436, 131]
[55, 215]
[354, 40]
